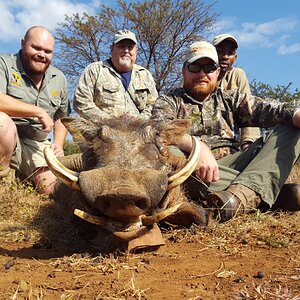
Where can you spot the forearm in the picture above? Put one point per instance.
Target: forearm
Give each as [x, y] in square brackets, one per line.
[60, 133]
[17, 108]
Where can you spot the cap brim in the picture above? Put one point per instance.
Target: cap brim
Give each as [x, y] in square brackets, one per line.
[193, 59]
[125, 38]
[227, 39]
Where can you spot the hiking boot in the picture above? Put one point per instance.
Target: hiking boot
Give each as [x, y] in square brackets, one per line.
[237, 199]
[288, 198]
[224, 205]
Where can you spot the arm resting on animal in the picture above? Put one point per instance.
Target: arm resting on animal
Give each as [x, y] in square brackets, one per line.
[207, 168]
[17, 108]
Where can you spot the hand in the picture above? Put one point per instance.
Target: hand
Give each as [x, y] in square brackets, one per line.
[58, 150]
[46, 121]
[207, 169]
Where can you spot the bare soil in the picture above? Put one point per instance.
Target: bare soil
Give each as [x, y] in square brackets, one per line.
[44, 256]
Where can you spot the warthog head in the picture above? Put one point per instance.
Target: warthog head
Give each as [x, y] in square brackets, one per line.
[125, 171]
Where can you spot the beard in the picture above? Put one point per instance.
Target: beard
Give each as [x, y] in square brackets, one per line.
[35, 66]
[125, 62]
[199, 91]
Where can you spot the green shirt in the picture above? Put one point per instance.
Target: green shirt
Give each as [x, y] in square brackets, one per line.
[52, 96]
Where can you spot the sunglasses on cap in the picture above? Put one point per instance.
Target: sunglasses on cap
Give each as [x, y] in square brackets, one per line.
[196, 68]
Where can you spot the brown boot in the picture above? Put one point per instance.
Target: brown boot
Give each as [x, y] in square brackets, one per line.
[237, 199]
[288, 198]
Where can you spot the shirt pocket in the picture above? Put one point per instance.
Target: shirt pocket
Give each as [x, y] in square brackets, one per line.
[16, 92]
[110, 95]
[142, 94]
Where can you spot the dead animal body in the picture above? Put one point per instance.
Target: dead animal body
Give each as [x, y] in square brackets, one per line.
[126, 177]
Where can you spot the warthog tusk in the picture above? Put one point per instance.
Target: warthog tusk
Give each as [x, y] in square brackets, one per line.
[89, 218]
[131, 231]
[149, 220]
[67, 176]
[188, 168]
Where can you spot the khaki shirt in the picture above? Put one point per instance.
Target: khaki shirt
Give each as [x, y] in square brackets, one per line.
[214, 119]
[52, 96]
[236, 79]
[100, 92]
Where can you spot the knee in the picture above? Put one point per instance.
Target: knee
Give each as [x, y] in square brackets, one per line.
[7, 124]
[44, 181]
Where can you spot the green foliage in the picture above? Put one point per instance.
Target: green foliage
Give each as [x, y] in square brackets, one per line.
[71, 148]
[280, 92]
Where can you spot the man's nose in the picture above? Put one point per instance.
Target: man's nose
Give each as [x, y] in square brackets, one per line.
[202, 73]
[41, 53]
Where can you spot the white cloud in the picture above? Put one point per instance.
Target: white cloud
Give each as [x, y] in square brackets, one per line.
[284, 50]
[18, 15]
[267, 34]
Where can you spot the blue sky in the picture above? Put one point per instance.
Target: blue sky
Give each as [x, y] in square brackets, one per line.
[268, 31]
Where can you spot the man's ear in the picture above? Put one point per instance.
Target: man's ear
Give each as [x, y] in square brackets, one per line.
[218, 71]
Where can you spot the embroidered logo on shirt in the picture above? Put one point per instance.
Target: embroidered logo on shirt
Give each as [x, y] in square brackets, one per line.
[55, 93]
[16, 79]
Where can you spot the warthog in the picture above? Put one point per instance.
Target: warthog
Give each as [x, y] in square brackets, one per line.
[126, 174]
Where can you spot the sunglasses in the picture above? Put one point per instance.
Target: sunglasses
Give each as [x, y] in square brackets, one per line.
[195, 68]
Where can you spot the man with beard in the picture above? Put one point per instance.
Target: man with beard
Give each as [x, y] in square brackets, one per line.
[233, 78]
[247, 179]
[116, 86]
[33, 98]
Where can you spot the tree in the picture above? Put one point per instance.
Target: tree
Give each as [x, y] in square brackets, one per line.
[280, 92]
[163, 27]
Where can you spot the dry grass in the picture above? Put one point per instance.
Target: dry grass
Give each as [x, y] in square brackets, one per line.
[26, 216]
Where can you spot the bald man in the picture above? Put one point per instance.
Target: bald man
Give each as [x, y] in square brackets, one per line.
[33, 98]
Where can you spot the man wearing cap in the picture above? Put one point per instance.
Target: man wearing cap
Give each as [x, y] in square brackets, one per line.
[116, 86]
[242, 181]
[233, 78]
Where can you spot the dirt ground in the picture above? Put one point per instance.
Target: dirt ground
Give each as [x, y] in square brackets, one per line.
[42, 257]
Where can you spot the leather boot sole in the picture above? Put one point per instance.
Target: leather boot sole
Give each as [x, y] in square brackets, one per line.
[224, 205]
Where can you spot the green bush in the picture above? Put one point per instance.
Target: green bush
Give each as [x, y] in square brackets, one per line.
[71, 148]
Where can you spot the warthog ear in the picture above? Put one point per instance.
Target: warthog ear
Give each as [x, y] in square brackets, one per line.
[81, 129]
[172, 132]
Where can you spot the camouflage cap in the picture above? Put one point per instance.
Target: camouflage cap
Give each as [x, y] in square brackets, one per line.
[199, 50]
[225, 36]
[124, 35]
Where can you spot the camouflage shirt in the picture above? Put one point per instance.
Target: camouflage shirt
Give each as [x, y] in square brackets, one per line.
[100, 92]
[236, 79]
[214, 119]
